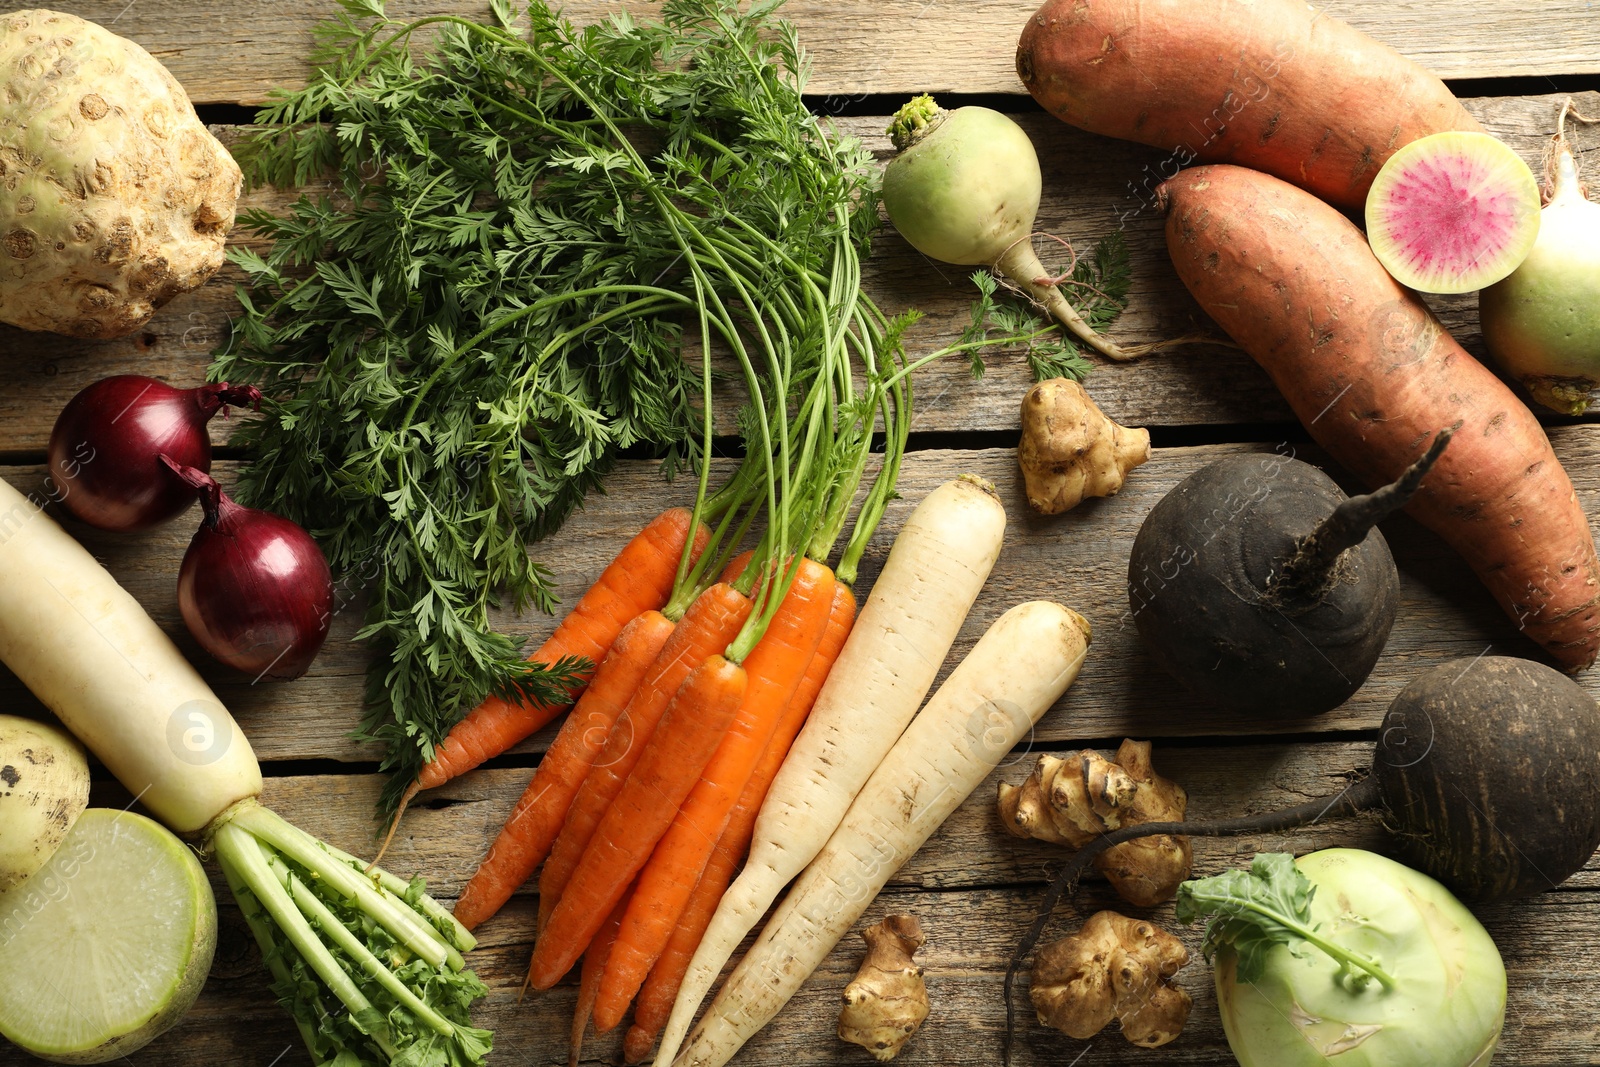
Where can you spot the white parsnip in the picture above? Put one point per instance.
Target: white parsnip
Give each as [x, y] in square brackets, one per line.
[994, 697]
[86, 648]
[938, 565]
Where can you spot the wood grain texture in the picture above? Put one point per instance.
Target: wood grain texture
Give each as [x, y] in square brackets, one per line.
[236, 50]
[1079, 559]
[1092, 187]
[972, 885]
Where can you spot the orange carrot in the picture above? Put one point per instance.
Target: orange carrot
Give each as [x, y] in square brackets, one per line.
[526, 838]
[705, 629]
[638, 579]
[594, 964]
[665, 772]
[774, 669]
[660, 990]
[737, 565]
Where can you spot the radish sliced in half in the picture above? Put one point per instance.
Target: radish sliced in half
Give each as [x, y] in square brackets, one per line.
[108, 944]
[1453, 212]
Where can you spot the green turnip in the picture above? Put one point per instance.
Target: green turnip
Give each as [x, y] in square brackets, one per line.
[1542, 323]
[1258, 585]
[965, 189]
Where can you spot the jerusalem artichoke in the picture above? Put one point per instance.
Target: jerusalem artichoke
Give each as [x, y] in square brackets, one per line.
[1113, 968]
[1070, 449]
[1074, 800]
[888, 1000]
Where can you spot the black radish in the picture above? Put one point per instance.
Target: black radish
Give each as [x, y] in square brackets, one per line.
[1486, 770]
[1259, 586]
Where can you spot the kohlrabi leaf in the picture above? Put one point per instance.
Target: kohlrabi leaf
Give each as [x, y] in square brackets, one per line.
[1250, 911]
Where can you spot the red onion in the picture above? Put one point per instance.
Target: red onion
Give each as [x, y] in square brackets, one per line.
[104, 445]
[254, 589]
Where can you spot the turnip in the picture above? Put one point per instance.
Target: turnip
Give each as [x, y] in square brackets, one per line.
[1346, 957]
[1260, 586]
[1487, 771]
[1542, 323]
[370, 966]
[44, 787]
[964, 189]
[108, 945]
[1453, 212]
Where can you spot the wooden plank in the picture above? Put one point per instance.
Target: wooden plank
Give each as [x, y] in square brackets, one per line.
[974, 889]
[236, 51]
[1078, 559]
[1093, 186]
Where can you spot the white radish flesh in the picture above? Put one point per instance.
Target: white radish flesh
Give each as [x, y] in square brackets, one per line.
[86, 648]
[934, 572]
[44, 787]
[989, 703]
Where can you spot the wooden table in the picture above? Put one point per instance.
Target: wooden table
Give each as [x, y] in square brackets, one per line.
[973, 886]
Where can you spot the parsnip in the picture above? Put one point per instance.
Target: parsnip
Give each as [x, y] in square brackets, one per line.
[934, 572]
[1017, 671]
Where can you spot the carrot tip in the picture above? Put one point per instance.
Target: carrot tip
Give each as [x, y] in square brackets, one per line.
[405, 800]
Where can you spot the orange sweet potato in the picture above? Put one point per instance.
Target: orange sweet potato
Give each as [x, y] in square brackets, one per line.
[1272, 84]
[1372, 375]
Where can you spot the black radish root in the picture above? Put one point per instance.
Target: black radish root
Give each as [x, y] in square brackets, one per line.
[1259, 586]
[1487, 773]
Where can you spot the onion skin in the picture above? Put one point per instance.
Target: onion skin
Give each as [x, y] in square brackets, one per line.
[104, 444]
[254, 589]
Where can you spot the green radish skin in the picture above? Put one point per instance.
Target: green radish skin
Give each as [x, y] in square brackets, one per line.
[1453, 212]
[119, 683]
[44, 787]
[1542, 323]
[151, 912]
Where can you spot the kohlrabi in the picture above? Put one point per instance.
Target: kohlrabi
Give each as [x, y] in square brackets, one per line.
[964, 189]
[1346, 959]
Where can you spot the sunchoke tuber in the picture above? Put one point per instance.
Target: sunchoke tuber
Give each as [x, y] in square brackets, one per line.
[1071, 450]
[888, 1000]
[1074, 800]
[1114, 968]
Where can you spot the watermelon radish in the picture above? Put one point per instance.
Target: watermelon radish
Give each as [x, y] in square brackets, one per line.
[1542, 324]
[1453, 212]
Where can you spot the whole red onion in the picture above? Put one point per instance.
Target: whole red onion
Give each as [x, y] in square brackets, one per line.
[104, 445]
[254, 588]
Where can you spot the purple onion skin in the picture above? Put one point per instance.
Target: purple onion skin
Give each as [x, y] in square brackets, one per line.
[104, 445]
[254, 588]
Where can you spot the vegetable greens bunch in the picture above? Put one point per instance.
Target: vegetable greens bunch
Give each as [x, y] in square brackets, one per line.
[529, 243]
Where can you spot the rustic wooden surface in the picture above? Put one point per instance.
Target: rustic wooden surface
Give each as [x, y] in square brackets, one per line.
[973, 886]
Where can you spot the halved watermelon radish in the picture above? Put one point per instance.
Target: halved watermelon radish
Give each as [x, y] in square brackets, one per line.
[1453, 212]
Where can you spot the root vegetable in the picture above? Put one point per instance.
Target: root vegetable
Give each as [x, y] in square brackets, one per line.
[888, 1000]
[44, 787]
[1259, 586]
[1018, 669]
[1453, 212]
[1113, 969]
[109, 944]
[1275, 85]
[1070, 449]
[1373, 376]
[1542, 324]
[1074, 800]
[116, 198]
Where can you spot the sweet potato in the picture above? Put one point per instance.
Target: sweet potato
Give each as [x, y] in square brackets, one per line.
[1272, 84]
[1372, 375]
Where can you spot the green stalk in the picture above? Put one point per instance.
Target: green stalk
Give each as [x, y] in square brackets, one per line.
[396, 888]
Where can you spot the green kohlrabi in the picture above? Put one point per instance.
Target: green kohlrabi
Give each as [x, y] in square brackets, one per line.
[1348, 959]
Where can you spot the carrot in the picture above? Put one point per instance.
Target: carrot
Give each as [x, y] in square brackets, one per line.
[705, 629]
[737, 566]
[774, 670]
[666, 770]
[939, 562]
[661, 987]
[526, 838]
[1277, 85]
[1373, 375]
[594, 965]
[1020, 667]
